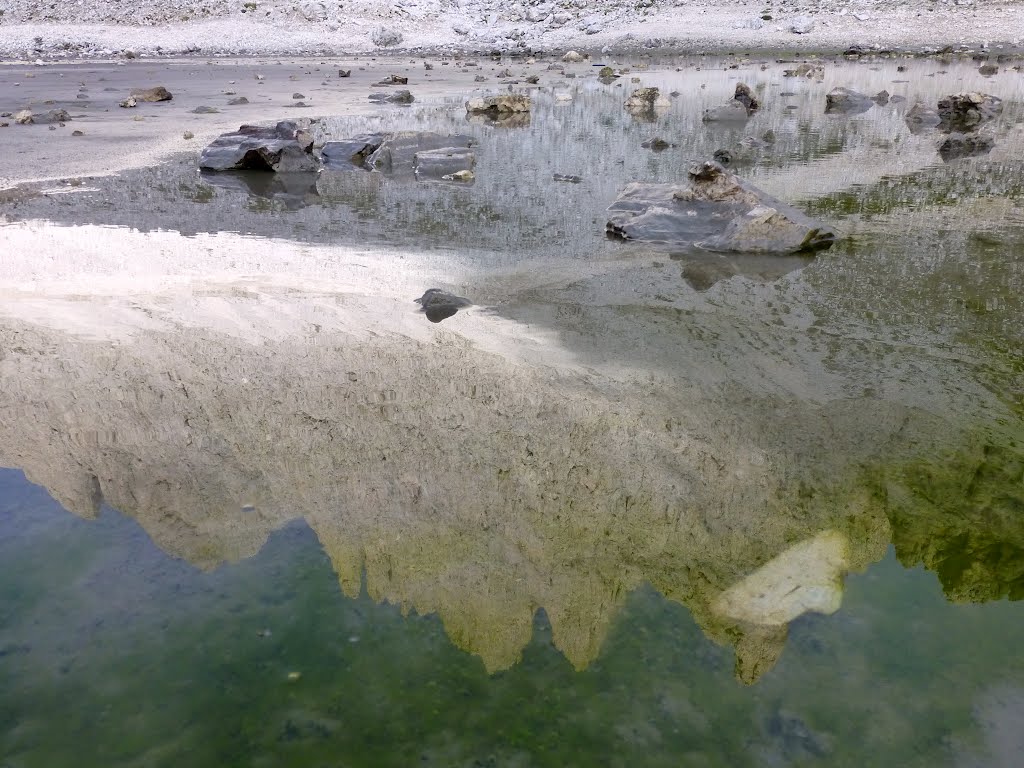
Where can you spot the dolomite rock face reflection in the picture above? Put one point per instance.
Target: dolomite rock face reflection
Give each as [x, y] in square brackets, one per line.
[460, 481]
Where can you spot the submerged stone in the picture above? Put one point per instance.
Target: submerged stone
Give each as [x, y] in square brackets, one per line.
[965, 145]
[806, 577]
[847, 101]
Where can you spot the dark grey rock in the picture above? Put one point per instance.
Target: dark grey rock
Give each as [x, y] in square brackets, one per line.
[714, 210]
[398, 152]
[238, 101]
[204, 110]
[284, 148]
[566, 177]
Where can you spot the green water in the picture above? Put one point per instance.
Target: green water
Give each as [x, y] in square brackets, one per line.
[115, 654]
[634, 507]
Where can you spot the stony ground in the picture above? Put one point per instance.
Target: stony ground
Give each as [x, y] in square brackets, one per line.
[32, 29]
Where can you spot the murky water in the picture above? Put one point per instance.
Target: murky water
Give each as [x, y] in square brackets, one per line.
[632, 507]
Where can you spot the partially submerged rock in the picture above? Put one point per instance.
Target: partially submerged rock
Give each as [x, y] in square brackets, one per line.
[742, 105]
[400, 152]
[283, 148]
[502, 104]
[730, 112]
[439, 305]
[966, 111]
[24, 117]
[847, 101]
[714, 210]
[159, 93]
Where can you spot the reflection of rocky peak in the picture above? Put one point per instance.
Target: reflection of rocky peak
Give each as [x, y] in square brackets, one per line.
[458, 481]
[962, 516]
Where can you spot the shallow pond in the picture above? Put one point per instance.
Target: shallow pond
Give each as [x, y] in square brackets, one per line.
[634, 506]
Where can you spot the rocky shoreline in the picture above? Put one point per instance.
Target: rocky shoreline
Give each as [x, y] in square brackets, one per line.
[31, 30]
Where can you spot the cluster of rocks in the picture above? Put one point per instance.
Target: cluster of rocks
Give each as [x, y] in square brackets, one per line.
[290, 147]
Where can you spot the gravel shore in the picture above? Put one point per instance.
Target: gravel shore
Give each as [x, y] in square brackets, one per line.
[33, 29]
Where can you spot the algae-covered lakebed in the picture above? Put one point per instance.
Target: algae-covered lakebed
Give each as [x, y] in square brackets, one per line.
[633, 506]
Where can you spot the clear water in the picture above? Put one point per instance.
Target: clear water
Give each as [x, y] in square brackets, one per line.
[635, 507]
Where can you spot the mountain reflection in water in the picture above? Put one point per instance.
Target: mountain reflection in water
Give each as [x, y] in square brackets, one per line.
[609, 433]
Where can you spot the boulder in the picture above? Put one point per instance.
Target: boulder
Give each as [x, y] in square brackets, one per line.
[572, 56]
[846, 101]
[24, 117]
[503, 104]
[285, 147]
[964, 145]
[158, 93]
[966, 111]
[714, 210]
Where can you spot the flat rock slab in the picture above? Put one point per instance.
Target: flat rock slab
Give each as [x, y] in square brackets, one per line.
[717, 211]
[283, 148]
[398, 152]
[350, 154]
